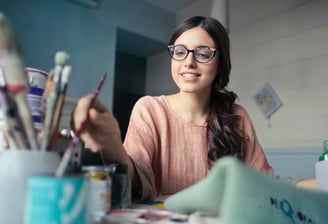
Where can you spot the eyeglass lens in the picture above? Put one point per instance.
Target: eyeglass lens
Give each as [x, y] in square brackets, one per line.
[201, 54]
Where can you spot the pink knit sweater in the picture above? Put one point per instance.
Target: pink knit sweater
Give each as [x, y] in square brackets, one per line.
[170, 154]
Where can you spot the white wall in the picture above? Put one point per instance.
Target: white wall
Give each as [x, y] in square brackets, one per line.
[294, 162]
[285, 44]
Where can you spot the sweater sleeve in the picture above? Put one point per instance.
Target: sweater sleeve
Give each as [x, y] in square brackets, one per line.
[254, 154]
[139, 144]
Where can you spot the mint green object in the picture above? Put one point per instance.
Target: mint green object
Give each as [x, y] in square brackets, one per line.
[243, 195]
[324, 156]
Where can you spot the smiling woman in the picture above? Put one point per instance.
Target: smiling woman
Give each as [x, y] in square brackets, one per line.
[173, 140]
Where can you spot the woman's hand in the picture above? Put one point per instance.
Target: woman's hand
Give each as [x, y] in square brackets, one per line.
[100, 132]
[98, 129]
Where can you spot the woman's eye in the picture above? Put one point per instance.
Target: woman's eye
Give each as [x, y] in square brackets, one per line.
[203, 54]
[179, 53]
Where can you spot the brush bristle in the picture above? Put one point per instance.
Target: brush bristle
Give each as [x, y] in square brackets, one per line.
[61, 58]
[66, 73]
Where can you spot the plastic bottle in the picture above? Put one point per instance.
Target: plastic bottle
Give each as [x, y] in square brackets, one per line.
[324, 155]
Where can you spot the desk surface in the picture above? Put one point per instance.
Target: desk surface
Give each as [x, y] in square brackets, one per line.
[153, 212]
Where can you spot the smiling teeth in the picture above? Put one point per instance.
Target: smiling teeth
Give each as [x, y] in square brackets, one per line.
[188, 75]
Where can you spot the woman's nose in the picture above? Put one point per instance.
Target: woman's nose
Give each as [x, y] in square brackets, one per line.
[190, 60]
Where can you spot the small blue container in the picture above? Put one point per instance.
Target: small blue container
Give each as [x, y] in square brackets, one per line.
[52, 200]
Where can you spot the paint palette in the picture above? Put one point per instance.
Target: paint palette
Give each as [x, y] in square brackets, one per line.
[142, 216]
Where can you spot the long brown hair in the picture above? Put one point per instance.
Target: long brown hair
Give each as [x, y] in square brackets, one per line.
[222, 131]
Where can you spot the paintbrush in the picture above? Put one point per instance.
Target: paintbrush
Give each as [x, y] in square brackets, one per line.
[59, 105]
[15, 75]
[72, 144]
[13, 123]
[61, 59]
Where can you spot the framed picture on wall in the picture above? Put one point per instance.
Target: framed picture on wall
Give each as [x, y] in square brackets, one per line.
[267, 100]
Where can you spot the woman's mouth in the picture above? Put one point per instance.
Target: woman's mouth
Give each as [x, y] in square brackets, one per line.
[189, 76]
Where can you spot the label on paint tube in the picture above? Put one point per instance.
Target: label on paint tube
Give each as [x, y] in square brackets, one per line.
[37, 79]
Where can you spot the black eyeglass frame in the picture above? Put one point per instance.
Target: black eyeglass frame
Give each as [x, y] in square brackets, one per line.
[171, 52]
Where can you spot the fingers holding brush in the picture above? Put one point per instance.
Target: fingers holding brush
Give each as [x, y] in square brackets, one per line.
[80, 115]
[96, 126]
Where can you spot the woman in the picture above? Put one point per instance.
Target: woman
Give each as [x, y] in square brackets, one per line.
[172, 141]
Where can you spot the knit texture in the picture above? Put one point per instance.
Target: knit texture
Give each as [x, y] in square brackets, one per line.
[170, 154]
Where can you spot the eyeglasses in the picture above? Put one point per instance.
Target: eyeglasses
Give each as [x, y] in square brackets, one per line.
[201, 54]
